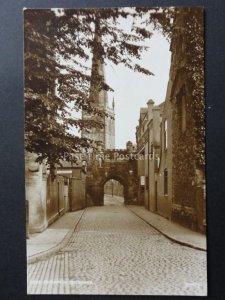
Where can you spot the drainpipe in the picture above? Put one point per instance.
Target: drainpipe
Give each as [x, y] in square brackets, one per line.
[150, 104]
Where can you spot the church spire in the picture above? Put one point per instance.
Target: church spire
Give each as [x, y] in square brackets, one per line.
[97, 93]
[99, 97]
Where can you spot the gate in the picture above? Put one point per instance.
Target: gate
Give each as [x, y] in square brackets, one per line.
[55, 198]
[77, 195]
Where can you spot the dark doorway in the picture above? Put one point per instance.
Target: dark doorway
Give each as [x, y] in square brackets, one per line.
[113, 193]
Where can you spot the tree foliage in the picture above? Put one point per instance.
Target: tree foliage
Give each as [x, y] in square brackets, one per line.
[57, 49]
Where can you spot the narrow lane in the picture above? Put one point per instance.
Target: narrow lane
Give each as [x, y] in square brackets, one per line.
[113, 251]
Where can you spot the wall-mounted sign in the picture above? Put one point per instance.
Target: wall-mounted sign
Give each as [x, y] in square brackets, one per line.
[142, 180]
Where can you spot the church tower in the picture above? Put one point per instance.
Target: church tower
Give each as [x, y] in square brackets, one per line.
[110, 127]
[101, 136]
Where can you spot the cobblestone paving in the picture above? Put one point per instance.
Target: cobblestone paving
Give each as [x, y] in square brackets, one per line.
[113, 251]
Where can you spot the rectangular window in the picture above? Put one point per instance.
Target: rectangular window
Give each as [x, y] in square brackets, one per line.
[147, 183]
[157, 162]
[165, 135]
[165, 182]
[151, 149]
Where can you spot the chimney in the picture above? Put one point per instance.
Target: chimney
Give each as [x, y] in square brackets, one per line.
[150, 104]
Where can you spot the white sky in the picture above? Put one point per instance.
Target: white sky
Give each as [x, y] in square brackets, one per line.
[132, 90]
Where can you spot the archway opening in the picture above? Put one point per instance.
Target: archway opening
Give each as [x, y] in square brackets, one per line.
[113, 193]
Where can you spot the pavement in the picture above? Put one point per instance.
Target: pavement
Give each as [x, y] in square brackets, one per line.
[56, 236]
[171, 230]
[46, 243]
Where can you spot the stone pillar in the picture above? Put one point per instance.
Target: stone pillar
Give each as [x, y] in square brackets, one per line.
[36, 186]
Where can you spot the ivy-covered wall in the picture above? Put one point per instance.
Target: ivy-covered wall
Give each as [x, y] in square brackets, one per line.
[184, 167]
[188, 207]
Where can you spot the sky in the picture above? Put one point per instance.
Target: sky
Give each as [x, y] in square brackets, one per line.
[132, 90]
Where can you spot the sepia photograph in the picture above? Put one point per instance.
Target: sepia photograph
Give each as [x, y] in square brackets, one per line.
[114, 135]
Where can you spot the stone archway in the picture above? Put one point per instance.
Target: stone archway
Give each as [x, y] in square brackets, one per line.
[122, 169]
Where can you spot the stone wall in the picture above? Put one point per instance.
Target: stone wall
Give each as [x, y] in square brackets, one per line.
[35, 190]
[46, 195]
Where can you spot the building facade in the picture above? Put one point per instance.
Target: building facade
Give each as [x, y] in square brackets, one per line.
[165, 170]
[148, 149]
[173, 183]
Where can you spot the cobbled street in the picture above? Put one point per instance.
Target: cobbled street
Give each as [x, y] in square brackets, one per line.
[112, 251]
